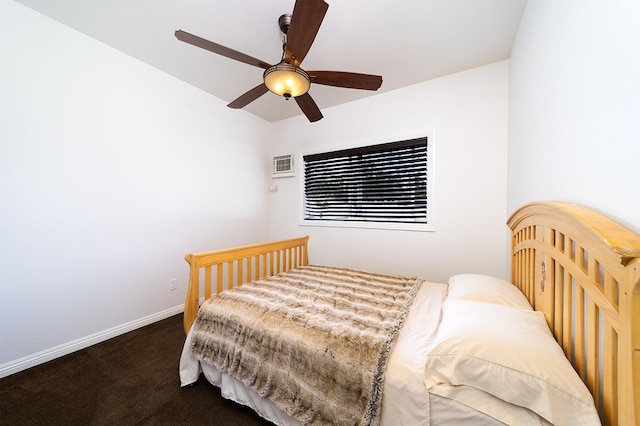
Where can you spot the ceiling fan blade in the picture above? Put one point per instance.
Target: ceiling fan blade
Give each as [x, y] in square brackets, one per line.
[309, 107]
[306, 19]
[220, 49]
[249, 96]
[349, 80]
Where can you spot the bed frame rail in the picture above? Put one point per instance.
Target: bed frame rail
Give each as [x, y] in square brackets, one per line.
[229, 268]
[583, 271]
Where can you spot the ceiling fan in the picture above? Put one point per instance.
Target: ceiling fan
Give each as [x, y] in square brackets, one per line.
[286, 78]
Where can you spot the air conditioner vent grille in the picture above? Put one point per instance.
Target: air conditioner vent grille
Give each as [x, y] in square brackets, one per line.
[282, 166]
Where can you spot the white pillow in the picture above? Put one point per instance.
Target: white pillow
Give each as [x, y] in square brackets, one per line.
[484, 288]
[510, 354]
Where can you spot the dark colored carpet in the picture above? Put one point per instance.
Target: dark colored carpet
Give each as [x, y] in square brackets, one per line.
[128, 380]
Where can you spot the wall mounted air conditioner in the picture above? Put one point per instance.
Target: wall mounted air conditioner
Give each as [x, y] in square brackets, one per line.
[282, 166]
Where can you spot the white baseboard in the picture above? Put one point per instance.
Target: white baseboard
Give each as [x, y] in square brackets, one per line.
[29, 361]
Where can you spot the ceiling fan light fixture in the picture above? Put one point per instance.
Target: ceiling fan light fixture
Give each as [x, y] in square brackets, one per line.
[287, 80]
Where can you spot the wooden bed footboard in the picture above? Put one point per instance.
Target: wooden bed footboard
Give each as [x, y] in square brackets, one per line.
[228, 268]
[583, 271]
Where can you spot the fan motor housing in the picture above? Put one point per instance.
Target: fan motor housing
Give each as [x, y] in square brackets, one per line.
[283, 22]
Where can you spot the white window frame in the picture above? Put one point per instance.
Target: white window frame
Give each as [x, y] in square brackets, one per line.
[422, 227]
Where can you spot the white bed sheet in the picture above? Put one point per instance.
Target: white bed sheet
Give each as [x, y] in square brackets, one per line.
[447, 411]
[405, 398]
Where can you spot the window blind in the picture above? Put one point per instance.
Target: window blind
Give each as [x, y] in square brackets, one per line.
[377, 183]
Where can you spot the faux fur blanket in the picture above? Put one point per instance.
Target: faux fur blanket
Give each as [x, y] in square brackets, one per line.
[314, 340]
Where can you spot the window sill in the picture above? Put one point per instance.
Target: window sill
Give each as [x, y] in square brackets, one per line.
[416, 227]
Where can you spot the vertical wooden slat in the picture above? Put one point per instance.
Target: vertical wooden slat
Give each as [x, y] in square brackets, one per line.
[285, 260]
[559, 239]
[282, 262]
[525, 270]
[192, 301]
[520, 269]
[229, 275]
[567, 306]
[520, 260]
[514, 259]
[550, 290]
[568, 246]
[527, 274]
[530, 275]
[287, 256]
[557, 309]
[580, 333]
[264, 265]
[524, 258]
[610, 380]
[593, 333]
[255, 272]
[579, 257]
[593, 350]
[515, 266]
[219, 280]
[207, 282]
[516, 270]
[240, 272]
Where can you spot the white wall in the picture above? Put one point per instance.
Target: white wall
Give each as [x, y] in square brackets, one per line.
[575, 106]
[110, 172]
[468, 114]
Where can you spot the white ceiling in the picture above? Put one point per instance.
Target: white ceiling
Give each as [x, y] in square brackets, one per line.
[405, 41]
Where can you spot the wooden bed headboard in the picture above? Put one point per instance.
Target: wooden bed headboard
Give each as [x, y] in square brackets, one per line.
[228, 268]
[583, 271]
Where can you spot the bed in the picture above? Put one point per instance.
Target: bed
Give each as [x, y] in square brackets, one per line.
[559, 344]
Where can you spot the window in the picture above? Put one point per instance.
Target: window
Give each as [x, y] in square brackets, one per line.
[384, 185]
